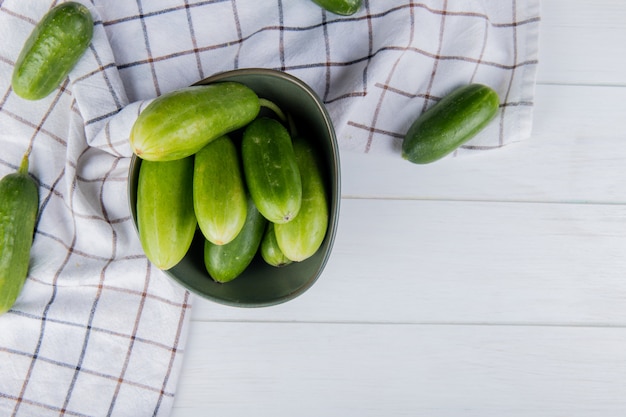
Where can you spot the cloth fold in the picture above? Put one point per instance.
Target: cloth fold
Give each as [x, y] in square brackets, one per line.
[97, 329]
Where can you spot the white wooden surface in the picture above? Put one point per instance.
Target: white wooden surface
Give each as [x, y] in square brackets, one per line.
[492, 285]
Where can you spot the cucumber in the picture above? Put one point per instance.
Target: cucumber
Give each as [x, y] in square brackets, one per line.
[270, 251]
[270, 170]
[219, 195]
[165, 218]
[340, 7]
[51, 51]
[19, 204]
[226, 262]
[451, 122]
[180, 123]
[302, 237]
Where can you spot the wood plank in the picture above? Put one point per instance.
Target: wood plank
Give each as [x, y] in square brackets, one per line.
[576, 154]
[581, 42]
[417, 261]
[286, 369]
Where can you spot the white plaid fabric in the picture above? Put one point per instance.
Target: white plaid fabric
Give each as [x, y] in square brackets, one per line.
[97, 330]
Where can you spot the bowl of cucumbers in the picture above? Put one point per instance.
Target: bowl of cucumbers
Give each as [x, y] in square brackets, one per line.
[234, 186]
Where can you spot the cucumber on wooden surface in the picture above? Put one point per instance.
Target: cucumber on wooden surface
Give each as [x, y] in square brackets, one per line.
[302, 237]
[270, 251]
[226, 262]
[19, 204]
[51, 51]
[180, 123]
[451, 122]
[340, 7]
[165, 218]
[270, 169]
[219, 194]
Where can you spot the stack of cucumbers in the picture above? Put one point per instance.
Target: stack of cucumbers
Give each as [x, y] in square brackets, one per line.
[212, 161]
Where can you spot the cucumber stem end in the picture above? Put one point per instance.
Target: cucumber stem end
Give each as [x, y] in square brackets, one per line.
[273, 107]
[23, 169]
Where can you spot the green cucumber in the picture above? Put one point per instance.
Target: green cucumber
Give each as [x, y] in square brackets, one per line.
[340, 7]
[219, 194]
[52, 50]
[270, 251]
[165, 218]
[271, 170]
[451, 122]
[180, 123]
[226, 262]
[302, 237]
[19, 204]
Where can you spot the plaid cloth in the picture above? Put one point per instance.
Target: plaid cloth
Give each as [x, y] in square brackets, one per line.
[97, 330]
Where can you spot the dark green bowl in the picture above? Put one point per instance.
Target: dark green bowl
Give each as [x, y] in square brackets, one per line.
[261, 284]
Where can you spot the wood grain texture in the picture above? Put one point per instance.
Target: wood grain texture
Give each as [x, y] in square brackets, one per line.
[464, 262]
[403, 370]
[579, 42]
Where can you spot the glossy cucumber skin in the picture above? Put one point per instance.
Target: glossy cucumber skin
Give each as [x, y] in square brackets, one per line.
[180, 123]
[19, 204]
[302, 237]
[219, 194]
[226, 262]
[271, 170]
[51, 51]
[340, 7]
[451, 122]
[165, 217]
[270, 251]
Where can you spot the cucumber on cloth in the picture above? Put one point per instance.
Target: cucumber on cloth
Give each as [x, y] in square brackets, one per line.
[52, 50]
[450, 123]
[340, 7]
[19, 204]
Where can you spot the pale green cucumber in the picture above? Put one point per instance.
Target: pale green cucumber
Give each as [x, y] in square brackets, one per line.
[19, 204]
[270, 169]
[270, 251]
[219, 195]
[226, 262]
[180, 123]
[165, 218]
[52, 50]
[302, 237]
